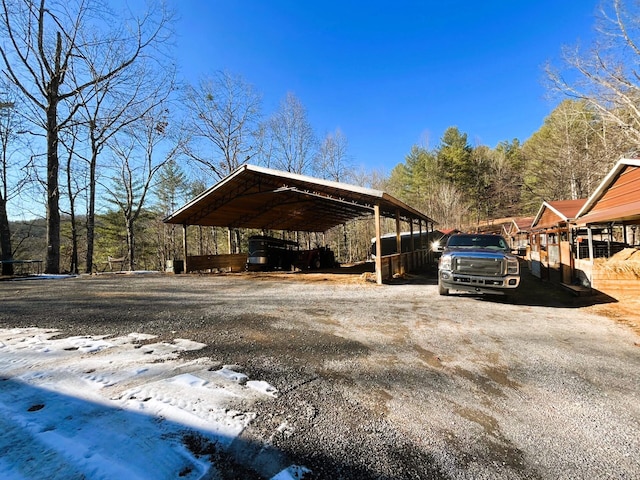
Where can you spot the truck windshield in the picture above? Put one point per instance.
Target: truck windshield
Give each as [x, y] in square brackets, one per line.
[478, 241]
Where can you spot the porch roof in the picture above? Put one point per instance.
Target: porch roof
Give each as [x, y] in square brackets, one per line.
[617, 198]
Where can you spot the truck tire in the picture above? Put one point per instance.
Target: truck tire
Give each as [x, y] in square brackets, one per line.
[441, 289]
[316, 263]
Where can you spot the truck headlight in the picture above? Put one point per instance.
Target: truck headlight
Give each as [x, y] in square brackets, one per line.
[513, 267]
[445, 262]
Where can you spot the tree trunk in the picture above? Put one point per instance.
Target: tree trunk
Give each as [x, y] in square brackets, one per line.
[74, 241]
[347, 256]
[74, 268]
[131, 244]
[5, 239]
[91, 210]
[52, 264]
[236, 246]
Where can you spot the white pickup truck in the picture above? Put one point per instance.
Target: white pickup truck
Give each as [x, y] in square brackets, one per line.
[478, 263]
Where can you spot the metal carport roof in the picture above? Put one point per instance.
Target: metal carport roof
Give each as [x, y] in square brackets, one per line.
[263, 198]
[557, 211]
[617, 198]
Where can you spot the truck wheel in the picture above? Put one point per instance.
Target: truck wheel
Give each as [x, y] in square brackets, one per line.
[442, 290]
[315, 263]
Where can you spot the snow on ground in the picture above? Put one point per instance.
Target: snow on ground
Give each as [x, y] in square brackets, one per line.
[126, 407]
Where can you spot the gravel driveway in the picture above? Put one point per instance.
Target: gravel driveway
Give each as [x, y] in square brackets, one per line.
[386, 382]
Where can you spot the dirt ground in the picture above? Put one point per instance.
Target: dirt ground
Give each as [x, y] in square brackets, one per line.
[625, 310]
[392, 381]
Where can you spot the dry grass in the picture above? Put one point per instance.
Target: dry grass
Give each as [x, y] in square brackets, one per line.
[625, 264]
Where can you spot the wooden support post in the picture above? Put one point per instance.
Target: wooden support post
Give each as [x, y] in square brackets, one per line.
[411, 265]
[421, 256]
[413, 244]
[398, 237]
[400, 267]
[184, 246]
[590, 237]
[430, 238]
[376, 211]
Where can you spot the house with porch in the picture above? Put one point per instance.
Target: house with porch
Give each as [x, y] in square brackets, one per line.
[608, 245]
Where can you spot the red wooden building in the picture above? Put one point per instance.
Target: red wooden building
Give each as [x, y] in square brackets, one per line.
[551, 238]
[611, 220]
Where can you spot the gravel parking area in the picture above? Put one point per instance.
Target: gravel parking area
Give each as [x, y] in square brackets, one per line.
[387, 382]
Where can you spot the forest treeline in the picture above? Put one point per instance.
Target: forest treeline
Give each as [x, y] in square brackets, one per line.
[97, 130]
[462, 185]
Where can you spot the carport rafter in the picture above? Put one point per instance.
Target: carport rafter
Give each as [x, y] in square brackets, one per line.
[219, 202]
[343, 209]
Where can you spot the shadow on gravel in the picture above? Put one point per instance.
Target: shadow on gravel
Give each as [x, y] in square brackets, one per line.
[532, 292]
[100, 427]
[535, 292]
[49, 413]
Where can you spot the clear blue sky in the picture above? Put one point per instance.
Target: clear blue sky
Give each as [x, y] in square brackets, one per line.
[391, 74]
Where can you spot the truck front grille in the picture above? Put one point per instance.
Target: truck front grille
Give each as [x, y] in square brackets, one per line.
[487, 267]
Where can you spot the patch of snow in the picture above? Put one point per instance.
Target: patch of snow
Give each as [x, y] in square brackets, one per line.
[188, 380]
[137, 272]
[141, 336]
[263, 387]
[44, 276]
[232, 375]
[98, 408]
[294, 472]
[186, 345]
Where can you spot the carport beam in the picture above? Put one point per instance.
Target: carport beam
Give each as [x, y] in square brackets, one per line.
[376, 212]
[413, 244]
[398, 236]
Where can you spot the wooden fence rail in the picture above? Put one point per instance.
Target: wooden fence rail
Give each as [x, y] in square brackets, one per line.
[401, 263]
[234, 262]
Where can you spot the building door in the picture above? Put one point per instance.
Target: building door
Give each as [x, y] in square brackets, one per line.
[566, 262]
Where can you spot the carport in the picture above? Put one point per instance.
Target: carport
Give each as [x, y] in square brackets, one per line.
[262, 198]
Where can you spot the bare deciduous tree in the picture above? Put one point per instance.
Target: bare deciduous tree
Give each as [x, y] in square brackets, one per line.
[225, 111]
[45, 41]
[74, 187]
[332, 159]
[292, 137]
[140, 151]
[8, 133]
[606, 76]
[332, 163]
[448, 206]
[112, 106]
[569, 155]
[506, 176]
